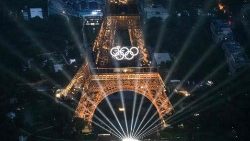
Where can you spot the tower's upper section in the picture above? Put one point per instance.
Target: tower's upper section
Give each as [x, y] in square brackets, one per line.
[120, 41]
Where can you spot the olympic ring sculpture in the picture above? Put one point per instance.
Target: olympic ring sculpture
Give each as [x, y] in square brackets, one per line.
[124, 53]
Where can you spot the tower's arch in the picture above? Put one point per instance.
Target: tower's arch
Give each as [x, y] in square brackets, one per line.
[101, 86]
[132, 113]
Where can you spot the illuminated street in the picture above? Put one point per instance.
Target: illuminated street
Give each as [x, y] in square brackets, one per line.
[125, 70]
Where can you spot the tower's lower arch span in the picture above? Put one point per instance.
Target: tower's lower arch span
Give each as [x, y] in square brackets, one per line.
[149, 85]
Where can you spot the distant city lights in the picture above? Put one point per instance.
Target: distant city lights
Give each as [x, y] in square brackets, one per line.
[196, 114]
[94, 13]
[210, 83]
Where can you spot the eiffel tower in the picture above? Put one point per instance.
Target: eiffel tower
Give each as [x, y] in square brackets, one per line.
[119, 61]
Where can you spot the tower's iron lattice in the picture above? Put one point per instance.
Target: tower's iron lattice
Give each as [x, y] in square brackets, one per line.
[108, 76]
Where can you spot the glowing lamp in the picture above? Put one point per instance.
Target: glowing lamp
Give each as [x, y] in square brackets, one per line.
[58, 95]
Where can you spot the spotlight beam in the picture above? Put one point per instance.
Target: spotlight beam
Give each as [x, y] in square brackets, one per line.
[132, 132]
[188, 41]
[143, 118]
[122, 101]
[105, 117]
[196, 87]
[150, 131]
[19, 55]
[124, 112]
[211, 98]
[110, 106]
[139, 131]
[19, 78]
[210, 75]
[74, 34]
[47, 95]
[137, 115]
[150, 126]
[161, 35]
[38, 43]
[133, 113]
[194, 68]
[117, 132]
[202, 97]
[133, 110]
[211, 104]
[159, 90]
[107, 130]
[113, 132]
[34, 40]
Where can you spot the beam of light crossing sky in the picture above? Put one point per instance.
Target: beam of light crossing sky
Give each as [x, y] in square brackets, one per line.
[188, 41]
[180, 112]
[194, 68]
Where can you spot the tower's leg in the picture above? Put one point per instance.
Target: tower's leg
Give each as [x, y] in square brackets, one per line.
[87, 128]
[164, 124]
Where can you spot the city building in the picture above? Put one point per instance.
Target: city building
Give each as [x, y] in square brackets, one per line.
[53, 61]
[150, 10]
[235, 55]
[58, 67]
[91, 10]
[58, 7]
[36, 12]
[221, 31]
[162, 58]
[29, 13]
[92, 17]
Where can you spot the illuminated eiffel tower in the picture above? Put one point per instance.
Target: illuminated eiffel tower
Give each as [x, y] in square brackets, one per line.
[121, 62]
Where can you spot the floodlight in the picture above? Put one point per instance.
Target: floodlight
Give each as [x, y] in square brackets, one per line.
[129, 139]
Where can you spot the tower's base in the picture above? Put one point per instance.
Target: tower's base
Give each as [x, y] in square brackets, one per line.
[86, 130]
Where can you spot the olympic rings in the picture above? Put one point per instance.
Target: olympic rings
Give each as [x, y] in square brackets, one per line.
[124, 53]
